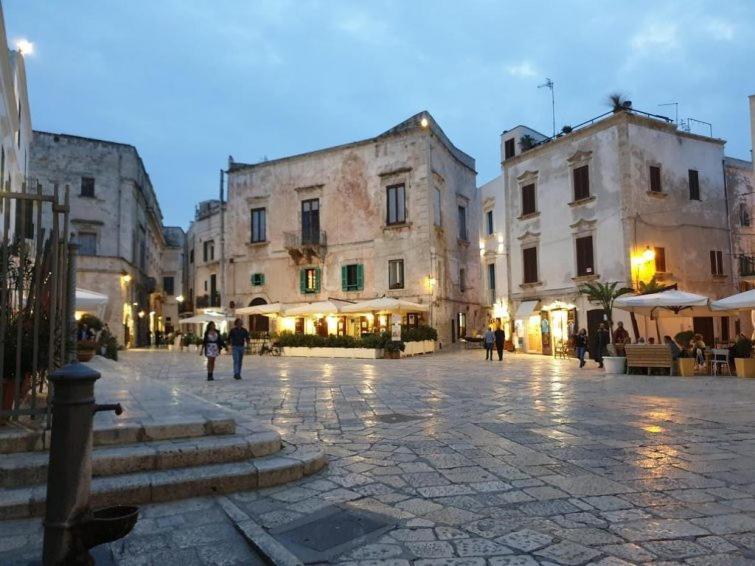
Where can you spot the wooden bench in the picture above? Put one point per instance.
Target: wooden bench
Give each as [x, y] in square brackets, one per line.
[649, 356]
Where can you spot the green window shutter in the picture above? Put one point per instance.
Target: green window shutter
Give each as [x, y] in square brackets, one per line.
[303, 281]
[360, 277]
[317, 280]
[262, 278]
[344, 278]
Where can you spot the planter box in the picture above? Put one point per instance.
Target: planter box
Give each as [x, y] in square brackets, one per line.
[360, 353]
[687, 367]
[614, 364]
[417, 348]
[745, 367]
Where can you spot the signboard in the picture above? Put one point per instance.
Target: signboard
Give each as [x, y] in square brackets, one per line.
[396, 327]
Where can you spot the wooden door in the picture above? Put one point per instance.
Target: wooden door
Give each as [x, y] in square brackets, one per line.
[704, 325]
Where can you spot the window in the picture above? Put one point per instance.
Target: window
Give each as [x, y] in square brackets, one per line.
[463, 223]
[509, 148]
[208, 251]
[352, 277]
[462, 279]
[660, 259]
[461, 322]
[25, 218]
[309, 280]
[396, 204]
[585, 264]
[489, 222]
[87, 187]
[191, 255]
[744, 215]
[259, 227]
[87, 243]
[655, 179]
[491, 276]
[214, 295]
[581, 177]
[694, 185]
[438, 218]
[716, 263]
[396, 274]
[169, 285]
[258, 279]
[528, 199]
[310, 221]
[529, 259]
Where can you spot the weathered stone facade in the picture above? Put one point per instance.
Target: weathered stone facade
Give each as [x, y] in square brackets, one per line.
[117, 222]
[433, 229]
[174, 275]
[681, 216]
[203, 243]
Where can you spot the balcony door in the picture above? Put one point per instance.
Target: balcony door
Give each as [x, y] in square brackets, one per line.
[310, 221]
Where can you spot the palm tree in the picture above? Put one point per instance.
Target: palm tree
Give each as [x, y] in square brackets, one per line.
[618, 102]
[643, 288]
[605, 294]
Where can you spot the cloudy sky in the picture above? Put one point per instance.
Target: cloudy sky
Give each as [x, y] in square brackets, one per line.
[189, 82]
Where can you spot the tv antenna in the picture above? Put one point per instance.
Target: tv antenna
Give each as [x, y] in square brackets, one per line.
[710, 126]
[549, 84]
[676, 109]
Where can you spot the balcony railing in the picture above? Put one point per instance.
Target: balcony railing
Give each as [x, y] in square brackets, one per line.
[205, 301]
[309, 243]
[746, 266]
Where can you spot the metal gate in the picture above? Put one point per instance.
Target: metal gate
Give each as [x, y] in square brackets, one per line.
[37, 299]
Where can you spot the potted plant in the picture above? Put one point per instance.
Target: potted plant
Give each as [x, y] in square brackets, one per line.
[392, 350]
[527, 142]
[85, 350]
[744, 363]
[605, 294]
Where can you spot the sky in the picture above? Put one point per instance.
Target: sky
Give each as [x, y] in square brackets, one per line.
[190, 82]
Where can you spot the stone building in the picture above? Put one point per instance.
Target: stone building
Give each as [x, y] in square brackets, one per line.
[174, 276]
[393, 215]
[494, 284]
[622, 198]
[117, 223]
[203, 243]
[15, 126]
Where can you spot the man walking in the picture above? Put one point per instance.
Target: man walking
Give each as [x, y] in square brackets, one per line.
[602, 339]
[500, 339]
[489, 340]
[239, 338]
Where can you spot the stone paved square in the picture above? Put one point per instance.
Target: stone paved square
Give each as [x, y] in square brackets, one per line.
[527, 462]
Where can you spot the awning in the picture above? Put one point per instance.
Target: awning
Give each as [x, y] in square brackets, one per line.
[386, 305]
[740, 301]
[526, 308]
[332, 306]
[268, 309]
[206, 317]
[668, 304]
[89, 301]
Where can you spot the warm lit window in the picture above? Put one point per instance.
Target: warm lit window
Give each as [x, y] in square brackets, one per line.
[396, 274]
[309, 280]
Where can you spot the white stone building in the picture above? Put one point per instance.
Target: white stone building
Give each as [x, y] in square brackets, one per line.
[203, 243]
[393, 215]
[15, 126]
[621, 198]
[174, 276]
[494, 284]
[117, 224]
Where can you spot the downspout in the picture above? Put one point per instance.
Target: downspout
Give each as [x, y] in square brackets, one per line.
[431, 198]
[222, 241]
[728, 225]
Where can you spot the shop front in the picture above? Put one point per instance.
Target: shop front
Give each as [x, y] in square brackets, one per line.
[562, 325]
[545, 328]
[527, 328]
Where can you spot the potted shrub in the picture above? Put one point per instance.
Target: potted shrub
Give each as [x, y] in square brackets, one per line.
[392, 350]
[85, 350]
[744, 363]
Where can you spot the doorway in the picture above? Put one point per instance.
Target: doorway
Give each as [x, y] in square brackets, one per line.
[704, 325]
[258, 322]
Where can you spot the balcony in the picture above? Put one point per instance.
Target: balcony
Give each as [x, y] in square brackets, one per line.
[205, 301]
[305, 244]
[747, 266]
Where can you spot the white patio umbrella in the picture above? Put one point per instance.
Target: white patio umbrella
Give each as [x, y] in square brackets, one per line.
[90, 301]
[740, 301]
[331, 306]
[269, 309]
[386, 305]
[206, 317]
[667, 304]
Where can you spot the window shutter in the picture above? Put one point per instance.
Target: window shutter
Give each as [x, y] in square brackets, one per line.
[660, 259]
[360, 277]
[344, 278]
[317, 280]
[303, 281]
[713, 262]
[262, 278]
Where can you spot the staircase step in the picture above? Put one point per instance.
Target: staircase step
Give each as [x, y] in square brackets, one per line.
[167, 485]
[13, 440]
[30, 468]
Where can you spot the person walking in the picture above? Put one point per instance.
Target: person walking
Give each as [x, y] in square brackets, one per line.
[489, 340]
[580, 346]
[601, 343]
[239, 339]
[211, 345]
[500, 340]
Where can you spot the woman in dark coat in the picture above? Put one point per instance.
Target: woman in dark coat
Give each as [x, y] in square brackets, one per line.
[211, 346]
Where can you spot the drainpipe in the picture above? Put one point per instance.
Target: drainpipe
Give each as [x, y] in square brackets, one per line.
[222, 242]
[728, 225]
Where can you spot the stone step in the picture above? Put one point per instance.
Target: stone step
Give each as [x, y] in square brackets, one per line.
[167, 485]
[30, 468]
[16, 439]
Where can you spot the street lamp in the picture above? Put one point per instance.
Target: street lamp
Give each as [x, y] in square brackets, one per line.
[180, 298]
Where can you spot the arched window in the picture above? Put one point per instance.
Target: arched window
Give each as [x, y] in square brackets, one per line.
[258, 322]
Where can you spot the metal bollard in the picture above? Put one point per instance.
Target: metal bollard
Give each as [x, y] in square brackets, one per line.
[69, 473]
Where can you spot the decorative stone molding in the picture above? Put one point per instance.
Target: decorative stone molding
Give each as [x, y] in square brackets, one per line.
[579, 158]
[527, 177]
[397, 171]
[582, 201]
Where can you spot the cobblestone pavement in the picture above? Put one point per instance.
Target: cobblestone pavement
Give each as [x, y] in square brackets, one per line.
[529, 461]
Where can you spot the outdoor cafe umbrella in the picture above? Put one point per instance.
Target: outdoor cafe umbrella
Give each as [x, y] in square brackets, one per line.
[331, 306]
[269, 309]
[666, 304]
[385, 305]
[89, 301]
[740, 301]
[206, 317]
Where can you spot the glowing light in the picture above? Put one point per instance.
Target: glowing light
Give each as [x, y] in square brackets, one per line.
[25, 46]
[430, 282]
[135, 304]
[126, 278]
[180, 298]
[648, 254]
[639, 258]
[142, 314]
[655, 429]
[77, 315]
[423, 122]
[152, 313]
